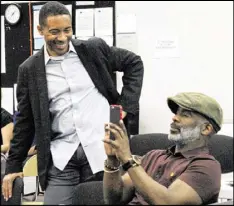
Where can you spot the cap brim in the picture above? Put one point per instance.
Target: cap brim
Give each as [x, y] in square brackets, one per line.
[174, 105]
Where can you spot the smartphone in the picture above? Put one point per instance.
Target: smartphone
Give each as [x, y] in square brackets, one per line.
[115, 116]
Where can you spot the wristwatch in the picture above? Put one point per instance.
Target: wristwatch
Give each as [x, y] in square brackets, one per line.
[132, 162]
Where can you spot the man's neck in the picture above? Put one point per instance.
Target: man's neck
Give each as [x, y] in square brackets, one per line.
[190, 145]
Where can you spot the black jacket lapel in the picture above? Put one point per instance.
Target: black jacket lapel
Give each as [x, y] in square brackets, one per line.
[42, 91]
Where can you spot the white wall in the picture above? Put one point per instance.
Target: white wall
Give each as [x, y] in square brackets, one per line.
[205, 63]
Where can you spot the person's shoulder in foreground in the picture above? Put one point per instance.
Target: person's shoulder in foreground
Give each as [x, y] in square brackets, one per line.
[183, 174]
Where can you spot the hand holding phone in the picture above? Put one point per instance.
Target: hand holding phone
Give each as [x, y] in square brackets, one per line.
[115, 116]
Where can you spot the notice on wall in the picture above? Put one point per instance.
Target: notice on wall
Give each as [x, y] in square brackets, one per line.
[127, 41]
[84, 22]
[126, 23]
[166, 47]
[84, 3]
[103, 22]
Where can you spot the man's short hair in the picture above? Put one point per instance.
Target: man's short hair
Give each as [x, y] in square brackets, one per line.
[52, 8]
[200, 103]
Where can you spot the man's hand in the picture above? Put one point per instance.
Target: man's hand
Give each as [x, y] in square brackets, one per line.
[7, 184]
[120, 146]
[110, 151]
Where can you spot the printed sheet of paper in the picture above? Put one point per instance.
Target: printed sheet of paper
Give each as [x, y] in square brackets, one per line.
[127, 41]
[103, 22]
[84, 22]
[84, 3]
[3, 55]
[7, 99]
[126, 23]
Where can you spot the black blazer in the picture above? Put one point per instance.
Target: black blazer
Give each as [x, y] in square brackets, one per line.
[100, 61]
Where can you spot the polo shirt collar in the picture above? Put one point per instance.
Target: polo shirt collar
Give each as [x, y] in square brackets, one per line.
[190, 153]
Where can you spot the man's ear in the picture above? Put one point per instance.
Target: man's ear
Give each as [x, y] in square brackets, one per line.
[207, 129]
[40, 30]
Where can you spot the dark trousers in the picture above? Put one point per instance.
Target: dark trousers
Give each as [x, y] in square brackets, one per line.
[61, 184]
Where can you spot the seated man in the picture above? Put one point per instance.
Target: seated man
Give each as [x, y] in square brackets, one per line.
[183, 174]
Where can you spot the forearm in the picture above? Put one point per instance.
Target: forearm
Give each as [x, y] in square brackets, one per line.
[112, 188]
[112, 183]
[153, 192]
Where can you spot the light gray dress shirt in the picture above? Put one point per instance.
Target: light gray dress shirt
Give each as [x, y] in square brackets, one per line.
[77, 108]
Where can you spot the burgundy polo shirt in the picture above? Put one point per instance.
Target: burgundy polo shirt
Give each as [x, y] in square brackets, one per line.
[196, 167]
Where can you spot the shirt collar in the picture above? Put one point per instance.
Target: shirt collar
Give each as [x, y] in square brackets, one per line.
[190, 153]
[47, 56]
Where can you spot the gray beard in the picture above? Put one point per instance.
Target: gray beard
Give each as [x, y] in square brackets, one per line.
[186, 135]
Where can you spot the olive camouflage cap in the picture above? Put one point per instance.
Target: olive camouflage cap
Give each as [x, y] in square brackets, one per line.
[198, 102]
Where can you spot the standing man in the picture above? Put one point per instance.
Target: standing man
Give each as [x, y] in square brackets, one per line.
[64, 92]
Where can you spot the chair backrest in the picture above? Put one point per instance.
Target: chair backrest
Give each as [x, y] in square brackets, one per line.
[30, 167]
[220, 146]
[142, 143]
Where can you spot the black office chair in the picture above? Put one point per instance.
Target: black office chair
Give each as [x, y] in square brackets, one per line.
[142, 143]
[221, 147]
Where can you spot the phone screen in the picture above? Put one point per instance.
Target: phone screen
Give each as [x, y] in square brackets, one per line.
[115, 116]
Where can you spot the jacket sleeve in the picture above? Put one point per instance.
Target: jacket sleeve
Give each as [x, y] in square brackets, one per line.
[24, 126]
[131, 65]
